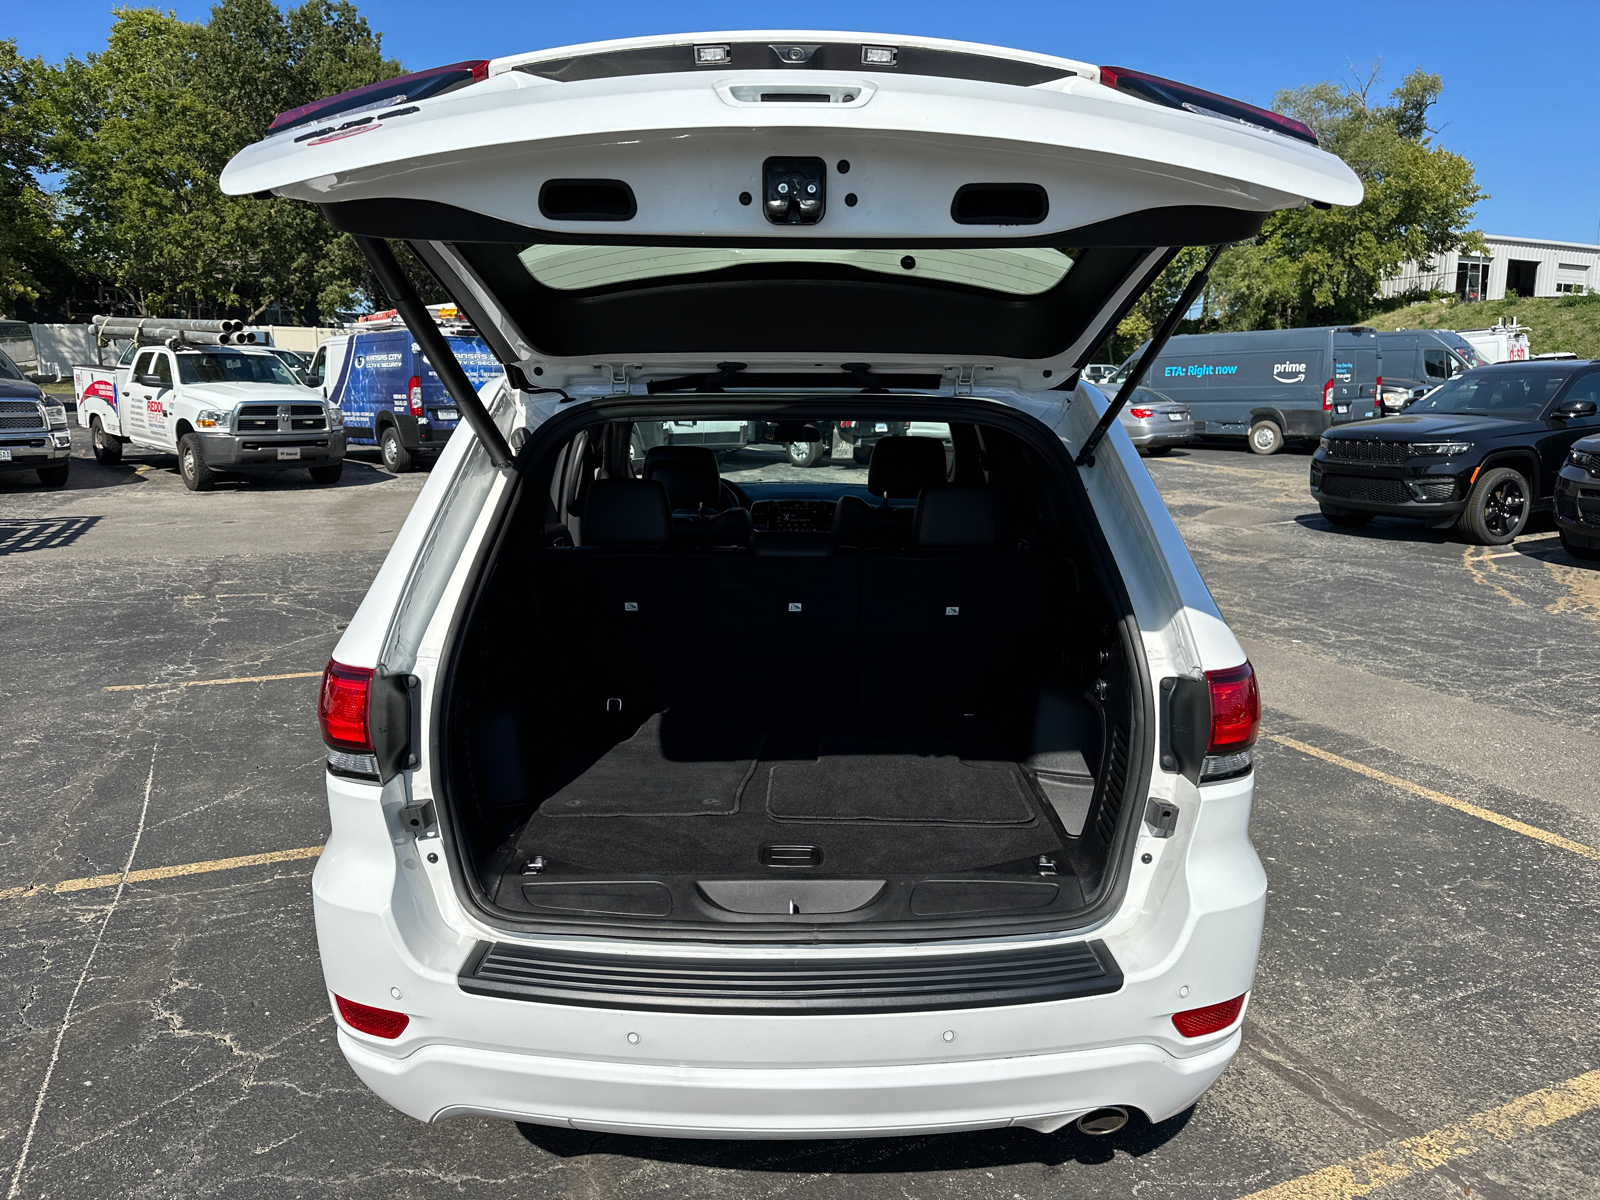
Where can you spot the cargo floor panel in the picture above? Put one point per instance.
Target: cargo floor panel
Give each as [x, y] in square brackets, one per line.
[866, 806]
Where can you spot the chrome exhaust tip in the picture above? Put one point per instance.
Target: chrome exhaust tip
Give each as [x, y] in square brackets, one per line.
[1102, 1121]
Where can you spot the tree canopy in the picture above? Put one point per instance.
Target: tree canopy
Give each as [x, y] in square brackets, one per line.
[138, 136]
[1312, 266]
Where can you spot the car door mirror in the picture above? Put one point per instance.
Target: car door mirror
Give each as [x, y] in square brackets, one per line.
[1568, 409]
[154, 381]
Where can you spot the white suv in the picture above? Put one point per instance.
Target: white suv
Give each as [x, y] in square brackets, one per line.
[896, 798]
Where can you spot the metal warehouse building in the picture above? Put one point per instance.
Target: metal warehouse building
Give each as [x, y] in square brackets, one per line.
[1509, 266]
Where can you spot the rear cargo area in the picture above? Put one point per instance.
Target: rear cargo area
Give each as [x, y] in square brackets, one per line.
[789, 734]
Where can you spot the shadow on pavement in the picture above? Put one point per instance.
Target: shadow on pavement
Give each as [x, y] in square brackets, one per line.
[871, 1156]
[18, 536]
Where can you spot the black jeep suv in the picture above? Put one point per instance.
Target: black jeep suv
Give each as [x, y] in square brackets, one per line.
[1481, 452]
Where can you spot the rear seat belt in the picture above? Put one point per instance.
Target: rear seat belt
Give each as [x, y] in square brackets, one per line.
[443, 360]
[1191, 293]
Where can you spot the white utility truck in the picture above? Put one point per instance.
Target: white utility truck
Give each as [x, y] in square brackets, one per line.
[219, 407]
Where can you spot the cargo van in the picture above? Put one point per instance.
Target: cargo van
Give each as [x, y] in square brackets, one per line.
[1419, 360]
[1270, 386]
[389, 395]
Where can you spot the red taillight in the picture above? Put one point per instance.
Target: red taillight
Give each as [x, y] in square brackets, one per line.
[847, 424]
[1235, 709]
[1327, 396]
[384, 1023]
[1172, 94]
[1141, 413]
[414, 394]
[342, 707]
[1197, 1022]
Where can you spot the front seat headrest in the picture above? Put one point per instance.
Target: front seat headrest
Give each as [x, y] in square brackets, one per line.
[903, 466]
[626, 512]
[689, 474]
[956, 516]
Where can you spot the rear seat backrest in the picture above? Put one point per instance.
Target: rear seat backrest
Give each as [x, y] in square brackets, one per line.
[973, 608]
[901, 468]
[626, 512]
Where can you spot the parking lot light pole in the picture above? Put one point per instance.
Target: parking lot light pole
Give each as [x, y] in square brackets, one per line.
[1191, 293]
[421, 324]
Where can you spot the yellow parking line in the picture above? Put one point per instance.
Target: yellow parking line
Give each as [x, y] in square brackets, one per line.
[148, 873]
[1418, 1155]
[1511, 823]
[140, 687]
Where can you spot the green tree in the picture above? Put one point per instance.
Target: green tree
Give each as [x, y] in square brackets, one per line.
[1313, 266]
[141, 132]
[33, 252]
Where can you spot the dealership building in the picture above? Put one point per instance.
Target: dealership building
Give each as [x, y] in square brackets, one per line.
[1508, 266]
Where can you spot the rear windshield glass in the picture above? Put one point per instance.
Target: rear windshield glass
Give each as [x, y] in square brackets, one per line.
[1510, 395]
[232, 368]
[1017, 271]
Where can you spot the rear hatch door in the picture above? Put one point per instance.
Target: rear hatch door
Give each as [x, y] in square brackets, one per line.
[874, 212]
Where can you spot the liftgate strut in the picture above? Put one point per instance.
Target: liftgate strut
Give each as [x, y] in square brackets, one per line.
[421, 324]
[1186, 301]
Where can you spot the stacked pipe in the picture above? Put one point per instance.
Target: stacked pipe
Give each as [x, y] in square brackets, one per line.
[173, 331]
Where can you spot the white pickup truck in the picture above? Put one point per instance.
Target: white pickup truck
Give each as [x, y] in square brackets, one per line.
[219, 408]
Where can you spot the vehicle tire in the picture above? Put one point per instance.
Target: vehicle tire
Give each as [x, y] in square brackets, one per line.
[1265, 437]
[328, 474]
[395, 455]
[197, 473]
[1497, 507]
[54, 476]
[1159, 451]
[805, 454]
[1587, 553]
[1344, 518]
[107, 449]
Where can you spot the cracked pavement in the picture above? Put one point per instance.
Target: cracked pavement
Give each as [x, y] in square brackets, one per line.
[1419, 965]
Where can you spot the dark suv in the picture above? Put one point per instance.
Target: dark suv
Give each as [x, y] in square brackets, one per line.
[1480, 452]
[1578, 499]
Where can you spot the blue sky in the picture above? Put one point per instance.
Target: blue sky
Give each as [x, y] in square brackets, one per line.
[1519, 98]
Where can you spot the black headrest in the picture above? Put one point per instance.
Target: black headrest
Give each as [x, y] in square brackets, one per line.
[903, 466]
[689, 473]
[626, 512]
[956, 516]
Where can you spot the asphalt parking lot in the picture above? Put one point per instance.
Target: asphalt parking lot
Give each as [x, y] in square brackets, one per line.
[1424, 1021]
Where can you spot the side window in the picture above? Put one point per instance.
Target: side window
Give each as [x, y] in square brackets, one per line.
[1436, 363]
[128, 352]
[1586, 388]
[142, 367]
[163, 369]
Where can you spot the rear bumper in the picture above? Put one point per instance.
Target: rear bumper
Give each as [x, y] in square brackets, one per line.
[1042, 1091]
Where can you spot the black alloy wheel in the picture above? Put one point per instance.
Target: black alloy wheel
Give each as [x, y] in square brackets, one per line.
[1497, 510]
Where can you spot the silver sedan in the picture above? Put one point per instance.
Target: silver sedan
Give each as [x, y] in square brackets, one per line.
[1156, 423]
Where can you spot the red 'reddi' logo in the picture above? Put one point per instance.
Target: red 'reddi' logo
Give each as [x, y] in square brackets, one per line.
[155, 409]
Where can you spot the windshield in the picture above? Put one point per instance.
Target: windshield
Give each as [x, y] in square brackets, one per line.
[1469, 353]
[1509, 395]
[223, 367]
[8, 369]
[1018, 271]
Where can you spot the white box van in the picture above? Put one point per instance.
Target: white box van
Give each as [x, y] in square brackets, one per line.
[602, 855]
